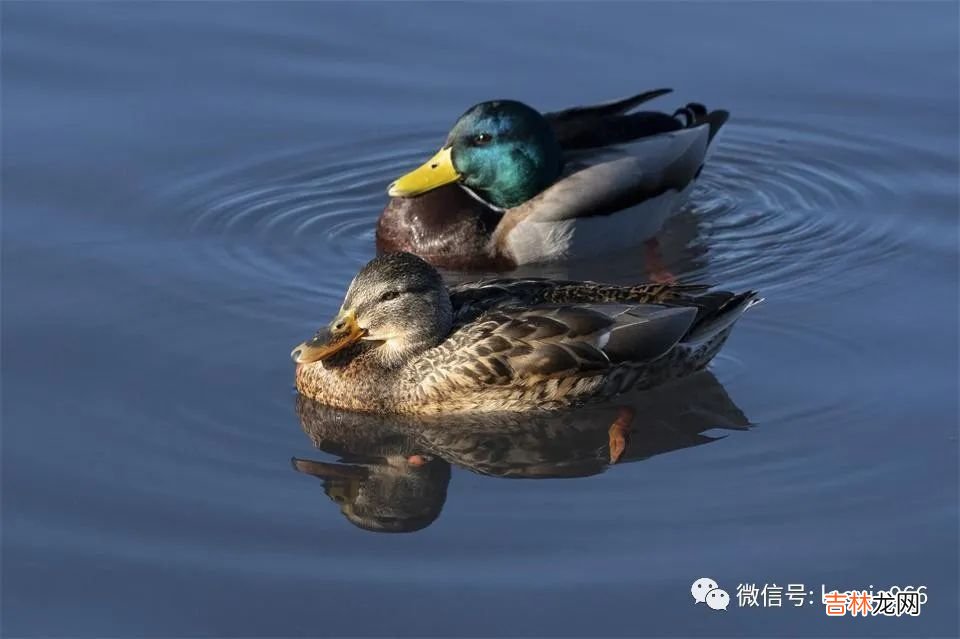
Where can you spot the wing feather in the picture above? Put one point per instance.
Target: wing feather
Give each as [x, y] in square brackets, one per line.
[471, 300]
[523, 347]
[609, 123]
[665, 162]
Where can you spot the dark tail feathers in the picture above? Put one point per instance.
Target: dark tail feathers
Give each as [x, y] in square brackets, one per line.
[607, 109]
[616, 122]
[717, 311]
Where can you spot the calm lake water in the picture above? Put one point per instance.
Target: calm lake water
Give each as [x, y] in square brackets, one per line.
[188, 188]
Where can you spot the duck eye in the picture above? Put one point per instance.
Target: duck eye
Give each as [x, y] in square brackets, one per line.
[389, 295]
[482, 138]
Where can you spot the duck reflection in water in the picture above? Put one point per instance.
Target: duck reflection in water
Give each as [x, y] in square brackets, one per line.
[393, 472]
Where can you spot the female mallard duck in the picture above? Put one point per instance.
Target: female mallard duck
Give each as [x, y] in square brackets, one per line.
[405, 343]
[513, 186]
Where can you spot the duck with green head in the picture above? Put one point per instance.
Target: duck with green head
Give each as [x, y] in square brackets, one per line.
[511, 185]
[503, 151]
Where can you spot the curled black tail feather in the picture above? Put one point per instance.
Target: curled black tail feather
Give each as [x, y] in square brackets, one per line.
[691, 115]
[695, 114]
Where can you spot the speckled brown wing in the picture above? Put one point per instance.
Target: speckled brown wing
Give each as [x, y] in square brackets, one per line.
[502, 346]
[512, 352]
[472, 299]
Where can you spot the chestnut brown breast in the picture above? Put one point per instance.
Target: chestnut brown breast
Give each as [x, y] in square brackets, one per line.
[445, 226]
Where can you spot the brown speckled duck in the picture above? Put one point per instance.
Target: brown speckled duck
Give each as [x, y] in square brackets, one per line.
[405, 343]
[513, 186]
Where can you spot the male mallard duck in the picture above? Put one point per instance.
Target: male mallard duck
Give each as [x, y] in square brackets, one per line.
[513, 186]
[405, 343]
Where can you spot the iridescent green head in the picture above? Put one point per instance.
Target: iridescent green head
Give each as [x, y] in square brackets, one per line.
[503, 150]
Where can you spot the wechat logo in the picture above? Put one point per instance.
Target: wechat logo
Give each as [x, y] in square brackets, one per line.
[707, 591]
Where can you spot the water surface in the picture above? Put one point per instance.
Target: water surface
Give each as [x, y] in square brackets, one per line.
[189, 187]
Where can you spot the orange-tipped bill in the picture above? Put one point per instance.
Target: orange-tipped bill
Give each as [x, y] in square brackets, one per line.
[342, 333]
[435, 172]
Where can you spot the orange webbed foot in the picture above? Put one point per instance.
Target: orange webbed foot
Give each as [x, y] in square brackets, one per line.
[619, 433]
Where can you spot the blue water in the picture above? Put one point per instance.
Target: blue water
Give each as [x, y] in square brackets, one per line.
[189, 187]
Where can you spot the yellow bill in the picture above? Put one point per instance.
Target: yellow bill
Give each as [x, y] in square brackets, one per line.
[343, 332]
[437, 171]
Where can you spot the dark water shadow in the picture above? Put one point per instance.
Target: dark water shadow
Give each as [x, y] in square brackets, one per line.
[393, 472]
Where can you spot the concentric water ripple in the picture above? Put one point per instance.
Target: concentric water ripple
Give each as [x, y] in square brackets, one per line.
[791, 212]
[278, 220]
[789, 352]
[778, 208]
